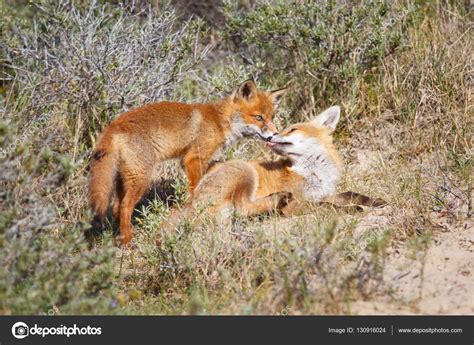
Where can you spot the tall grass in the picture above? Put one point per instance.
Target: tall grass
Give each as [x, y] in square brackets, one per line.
[406, 90]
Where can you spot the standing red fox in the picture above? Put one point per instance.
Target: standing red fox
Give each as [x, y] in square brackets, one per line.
[134, 143]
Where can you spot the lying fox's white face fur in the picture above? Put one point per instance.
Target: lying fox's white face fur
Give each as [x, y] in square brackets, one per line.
[309, 147]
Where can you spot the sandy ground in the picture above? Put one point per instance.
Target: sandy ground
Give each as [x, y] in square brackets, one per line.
[439, 280]
[442, 285]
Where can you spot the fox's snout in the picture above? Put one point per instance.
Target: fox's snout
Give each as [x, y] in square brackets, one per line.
[271, 135]
[269, 131]
[270, 127]
[274, 142]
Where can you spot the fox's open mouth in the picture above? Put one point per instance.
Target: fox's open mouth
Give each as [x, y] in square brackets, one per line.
[272, 144]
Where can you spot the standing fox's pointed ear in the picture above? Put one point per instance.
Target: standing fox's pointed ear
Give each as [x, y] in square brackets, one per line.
[328, 118]
[247, 90]
[276, 96]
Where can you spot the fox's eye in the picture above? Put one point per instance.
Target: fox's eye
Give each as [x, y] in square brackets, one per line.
[259, 118]
[292, 130]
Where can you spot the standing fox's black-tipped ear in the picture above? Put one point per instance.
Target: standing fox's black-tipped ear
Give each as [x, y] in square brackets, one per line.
[277, 95]
[247, 90]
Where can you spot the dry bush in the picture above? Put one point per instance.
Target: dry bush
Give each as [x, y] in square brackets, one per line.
[323, 48]
[251, 267]
[72, 70]
[90, 63]
[406, 137]
[417, 123]
[409, 141]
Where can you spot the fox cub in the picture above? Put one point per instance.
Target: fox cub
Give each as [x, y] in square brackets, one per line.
[134, 143]
[309, 169]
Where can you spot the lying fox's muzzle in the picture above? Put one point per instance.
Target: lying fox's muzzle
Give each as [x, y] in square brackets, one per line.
[277, 141]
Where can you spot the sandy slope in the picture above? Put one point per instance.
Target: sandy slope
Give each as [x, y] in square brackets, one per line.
[439, 280]
[448, 278]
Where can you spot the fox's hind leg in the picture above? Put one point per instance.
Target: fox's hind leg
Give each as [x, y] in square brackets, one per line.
[177, 215]
[117, 201]
[134, 190]
[352, 198]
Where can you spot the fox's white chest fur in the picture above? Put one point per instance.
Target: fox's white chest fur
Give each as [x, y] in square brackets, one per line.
[320, 173]
[238, 129]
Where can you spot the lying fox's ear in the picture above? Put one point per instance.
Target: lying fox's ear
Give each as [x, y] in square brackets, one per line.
[247, 90]
[277, 95]
[328, 118]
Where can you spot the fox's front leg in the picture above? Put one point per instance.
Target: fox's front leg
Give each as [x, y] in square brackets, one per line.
[195, 166]
[262, 205]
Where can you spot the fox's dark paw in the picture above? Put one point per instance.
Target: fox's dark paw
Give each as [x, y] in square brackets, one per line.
[284, 198]
[352, 209]
[377, 202]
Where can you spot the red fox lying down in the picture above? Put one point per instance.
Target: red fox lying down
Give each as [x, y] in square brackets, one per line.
[308, 170]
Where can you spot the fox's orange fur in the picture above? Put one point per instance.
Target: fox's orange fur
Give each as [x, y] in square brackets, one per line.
[133, 144]
[309, 170]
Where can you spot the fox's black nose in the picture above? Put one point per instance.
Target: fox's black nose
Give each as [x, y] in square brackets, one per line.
[271, 136]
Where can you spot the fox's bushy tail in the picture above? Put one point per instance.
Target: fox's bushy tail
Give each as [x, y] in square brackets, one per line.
[104, 170]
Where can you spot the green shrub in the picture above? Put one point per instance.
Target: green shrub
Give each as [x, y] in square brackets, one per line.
[412, 147]
[88, 63]
[68, 73]
[324, 47]
[46, 266]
